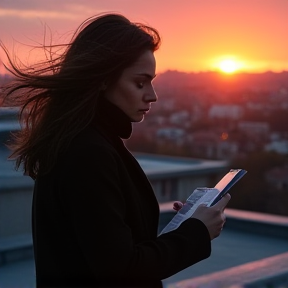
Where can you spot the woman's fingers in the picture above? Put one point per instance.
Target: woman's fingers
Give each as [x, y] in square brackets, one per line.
[177, 205]
[213, 217]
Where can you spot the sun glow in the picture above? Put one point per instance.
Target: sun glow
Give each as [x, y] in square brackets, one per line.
[228, 65]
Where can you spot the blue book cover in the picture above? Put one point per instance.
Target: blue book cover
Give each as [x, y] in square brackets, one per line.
[223, 186]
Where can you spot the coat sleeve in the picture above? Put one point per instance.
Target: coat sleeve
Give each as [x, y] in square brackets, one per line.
[95, 202]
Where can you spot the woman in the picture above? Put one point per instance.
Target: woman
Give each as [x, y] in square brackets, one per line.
[95, 215]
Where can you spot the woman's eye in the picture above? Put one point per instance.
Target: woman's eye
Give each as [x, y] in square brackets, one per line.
[140, 84]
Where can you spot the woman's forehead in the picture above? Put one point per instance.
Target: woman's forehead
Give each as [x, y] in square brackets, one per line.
[145, 65]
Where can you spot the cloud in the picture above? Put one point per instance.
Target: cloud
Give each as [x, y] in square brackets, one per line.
[55, 9]
[38, 14]
[69, 11]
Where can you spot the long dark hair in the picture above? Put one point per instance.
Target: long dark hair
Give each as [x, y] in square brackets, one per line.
[58, 97]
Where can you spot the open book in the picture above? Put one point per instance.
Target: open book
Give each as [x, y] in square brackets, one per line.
[207, 196]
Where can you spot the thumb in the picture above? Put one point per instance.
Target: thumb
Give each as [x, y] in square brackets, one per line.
[222, 203]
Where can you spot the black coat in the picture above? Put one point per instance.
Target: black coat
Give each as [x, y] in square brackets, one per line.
[95, 220]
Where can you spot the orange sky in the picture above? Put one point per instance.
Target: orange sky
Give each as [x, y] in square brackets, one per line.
[196, 34]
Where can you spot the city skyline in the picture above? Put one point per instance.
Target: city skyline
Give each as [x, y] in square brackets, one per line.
[206, 35]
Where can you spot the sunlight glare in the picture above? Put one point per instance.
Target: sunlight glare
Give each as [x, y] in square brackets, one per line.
[228, 66]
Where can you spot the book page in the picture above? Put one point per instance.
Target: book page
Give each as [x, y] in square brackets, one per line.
[199, 196]
[207, 196]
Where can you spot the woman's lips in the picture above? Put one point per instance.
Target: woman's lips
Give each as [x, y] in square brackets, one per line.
[144, 110]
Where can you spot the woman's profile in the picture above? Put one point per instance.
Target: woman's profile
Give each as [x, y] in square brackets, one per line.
[95, 215]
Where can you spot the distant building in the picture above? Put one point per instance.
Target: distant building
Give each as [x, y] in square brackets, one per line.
[209, 144]
[171, 133]
[255, 106]
[180, 118]
[226, 111]
[252, 127]
[279, 146]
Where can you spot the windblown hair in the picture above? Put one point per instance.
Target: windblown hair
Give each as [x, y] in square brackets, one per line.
[58, 97]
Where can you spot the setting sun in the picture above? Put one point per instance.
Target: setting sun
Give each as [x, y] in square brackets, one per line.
[229, 66]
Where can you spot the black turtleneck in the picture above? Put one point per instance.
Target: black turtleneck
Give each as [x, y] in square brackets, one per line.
[114, 125]
[112, 120]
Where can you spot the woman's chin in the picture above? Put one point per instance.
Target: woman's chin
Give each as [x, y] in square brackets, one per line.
[138, 118]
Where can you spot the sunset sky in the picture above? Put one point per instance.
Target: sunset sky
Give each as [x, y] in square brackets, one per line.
[248, 35]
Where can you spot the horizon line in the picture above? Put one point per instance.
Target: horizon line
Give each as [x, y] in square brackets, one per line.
[221, 72]
[202, 71]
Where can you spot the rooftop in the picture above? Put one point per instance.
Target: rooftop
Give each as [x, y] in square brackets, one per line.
[238, 244]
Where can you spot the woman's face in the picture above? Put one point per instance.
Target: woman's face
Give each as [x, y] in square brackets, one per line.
[133, 93]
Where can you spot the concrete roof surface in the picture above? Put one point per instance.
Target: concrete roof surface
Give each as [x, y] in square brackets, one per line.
[231, 248]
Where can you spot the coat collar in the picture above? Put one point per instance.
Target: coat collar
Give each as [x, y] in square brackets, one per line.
[112, 119]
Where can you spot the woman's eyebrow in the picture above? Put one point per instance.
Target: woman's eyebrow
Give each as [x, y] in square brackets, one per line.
[150, 77]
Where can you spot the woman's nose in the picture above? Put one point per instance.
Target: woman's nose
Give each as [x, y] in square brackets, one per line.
[151, 96]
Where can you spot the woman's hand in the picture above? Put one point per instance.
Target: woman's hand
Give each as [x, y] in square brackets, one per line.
[213, 217]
